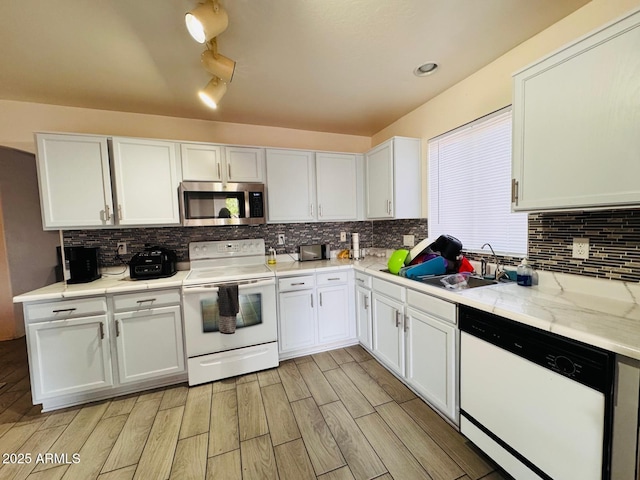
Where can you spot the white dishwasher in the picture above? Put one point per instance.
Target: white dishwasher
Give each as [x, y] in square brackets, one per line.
[539, 404]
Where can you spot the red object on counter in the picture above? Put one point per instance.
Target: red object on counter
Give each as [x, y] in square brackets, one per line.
[465, 265]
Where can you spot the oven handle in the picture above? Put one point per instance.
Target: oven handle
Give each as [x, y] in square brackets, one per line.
[213, 287]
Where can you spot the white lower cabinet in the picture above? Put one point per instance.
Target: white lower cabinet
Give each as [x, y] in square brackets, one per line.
[315, 312]
[149, 343]
[415, 336]
[430, 352]
[333, 313]
[92, 348]
[388, 330]
[297, 320]
[69, 356]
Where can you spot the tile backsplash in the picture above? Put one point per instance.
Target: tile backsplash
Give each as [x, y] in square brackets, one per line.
[614, 237]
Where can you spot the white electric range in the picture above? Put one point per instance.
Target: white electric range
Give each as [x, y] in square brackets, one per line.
[213, 355]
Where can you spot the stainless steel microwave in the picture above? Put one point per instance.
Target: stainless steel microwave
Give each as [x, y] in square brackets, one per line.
[216, 203]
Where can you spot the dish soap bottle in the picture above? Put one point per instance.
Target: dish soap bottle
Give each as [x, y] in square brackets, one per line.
[272, 256]
[524, 274]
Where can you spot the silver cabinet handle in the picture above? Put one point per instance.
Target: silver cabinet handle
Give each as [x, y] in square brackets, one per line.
[320, 210]
[297, 283]
[361, 280]
[64, 310]
[120, 211]
[311, 209]
[389, 207]
[117, 328]
[397, 318]
[320, 298]
[107, 214]
[406, 323]
[146, 300]
[101, 331]
[366, 303]
[219, 172]
[311, 300]
[229, 170]
[333, 279]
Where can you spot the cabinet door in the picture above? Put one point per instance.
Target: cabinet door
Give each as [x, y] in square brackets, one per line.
[363, 316]
[290, 186]
[244, 164]
[379, 181]
[333, 313]
[431, 368]
[388, 334]
[575, 118]
[146, 182]
[74, 181]
[201, 162]
[336, 185]
[69, 356]
[149, 343]
[296, 320]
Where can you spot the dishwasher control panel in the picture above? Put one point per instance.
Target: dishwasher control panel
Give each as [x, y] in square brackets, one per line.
[583, 363]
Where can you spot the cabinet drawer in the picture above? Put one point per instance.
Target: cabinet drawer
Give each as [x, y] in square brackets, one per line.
[363, 280]
[390, 289]
[79, 307]
[332, 278]
[145, 300]
[433, 306]
[296, 283]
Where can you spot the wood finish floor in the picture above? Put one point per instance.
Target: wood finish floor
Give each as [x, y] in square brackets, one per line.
[331, 416]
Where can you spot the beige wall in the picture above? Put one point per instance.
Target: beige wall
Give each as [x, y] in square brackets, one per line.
[20, 119]
[27, 253]
[489, 89]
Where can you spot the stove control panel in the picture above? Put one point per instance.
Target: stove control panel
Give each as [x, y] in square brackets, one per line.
[226, 249]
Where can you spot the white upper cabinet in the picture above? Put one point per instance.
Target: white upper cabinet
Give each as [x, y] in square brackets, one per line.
[291, 186]
[336, 184]
[146, 182]
[74, 180]
[393, 183]
[201, 162]
[576, 115]
[214, 163]
[244, 164]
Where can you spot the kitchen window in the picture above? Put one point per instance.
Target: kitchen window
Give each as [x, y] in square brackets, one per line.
[470, 186]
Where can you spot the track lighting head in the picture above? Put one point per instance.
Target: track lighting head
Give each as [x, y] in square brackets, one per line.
[218, 65]
[213, 92]
[206, 21]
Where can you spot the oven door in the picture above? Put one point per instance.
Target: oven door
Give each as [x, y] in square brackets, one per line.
[255, 322]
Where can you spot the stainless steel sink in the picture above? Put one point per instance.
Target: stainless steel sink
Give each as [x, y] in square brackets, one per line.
[472, 282]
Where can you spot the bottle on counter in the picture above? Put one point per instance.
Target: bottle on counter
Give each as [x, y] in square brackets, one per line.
[524, 274]
[271, 260]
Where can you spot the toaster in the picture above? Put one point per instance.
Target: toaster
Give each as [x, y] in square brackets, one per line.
[153, 262]
[313, 252]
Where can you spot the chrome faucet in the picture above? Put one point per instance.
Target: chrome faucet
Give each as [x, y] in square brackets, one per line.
[499, 273]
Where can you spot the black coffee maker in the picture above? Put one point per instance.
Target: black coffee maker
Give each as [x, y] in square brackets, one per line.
[81, 264]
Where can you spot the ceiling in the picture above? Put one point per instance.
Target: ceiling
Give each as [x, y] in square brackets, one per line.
[343, 66]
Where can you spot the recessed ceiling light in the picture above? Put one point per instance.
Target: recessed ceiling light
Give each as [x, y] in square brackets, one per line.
[425, 69]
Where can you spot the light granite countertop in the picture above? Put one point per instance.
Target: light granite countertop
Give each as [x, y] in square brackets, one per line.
[603, 313]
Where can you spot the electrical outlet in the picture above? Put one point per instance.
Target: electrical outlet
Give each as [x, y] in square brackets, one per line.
[408, 240]
[581, 248]
[281, 239]
[122, 248]
[343, 236]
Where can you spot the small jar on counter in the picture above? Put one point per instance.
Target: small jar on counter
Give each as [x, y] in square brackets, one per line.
[524, 274]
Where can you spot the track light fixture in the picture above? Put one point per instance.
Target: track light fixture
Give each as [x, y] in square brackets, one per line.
[217, 64]
[213, 92]
[206, 21]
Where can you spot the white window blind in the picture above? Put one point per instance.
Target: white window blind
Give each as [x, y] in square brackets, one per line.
[470, 186]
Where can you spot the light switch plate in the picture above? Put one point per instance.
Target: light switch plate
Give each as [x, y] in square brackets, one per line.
[343, 236]
[581, 248]
[409, 240]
